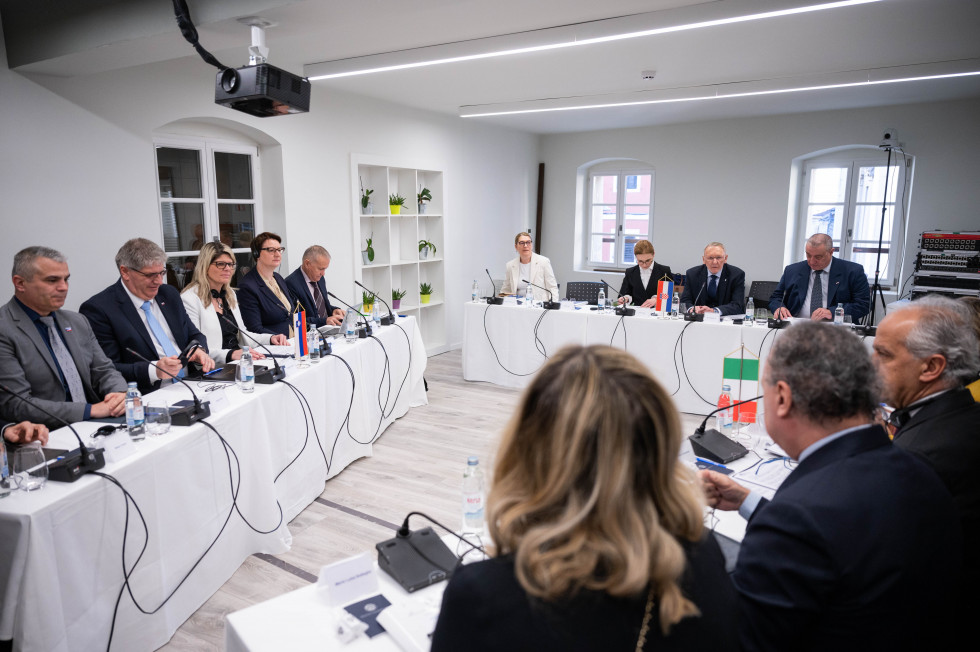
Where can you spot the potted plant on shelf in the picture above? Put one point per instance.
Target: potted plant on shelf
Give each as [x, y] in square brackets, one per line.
[368, 254]
[424, 196]
[424, 247]
[367, 302]
[367, 206]
[396, 298]
[425, 292]
[395, 203]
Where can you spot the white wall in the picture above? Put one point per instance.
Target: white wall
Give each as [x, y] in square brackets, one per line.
[729, 180]
[77, 170]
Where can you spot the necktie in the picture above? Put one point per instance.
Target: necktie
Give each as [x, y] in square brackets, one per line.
[713, 286]
[816, 296]
[321, 310]
[65, 361]
[159, 335]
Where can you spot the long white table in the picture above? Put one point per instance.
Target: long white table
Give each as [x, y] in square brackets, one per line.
[61, 548]
[500, 346]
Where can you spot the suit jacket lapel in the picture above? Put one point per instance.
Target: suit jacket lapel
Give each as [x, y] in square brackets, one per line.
[833, 282]
[129, 311]
[75, 349]
[172, 317]
[27, 327]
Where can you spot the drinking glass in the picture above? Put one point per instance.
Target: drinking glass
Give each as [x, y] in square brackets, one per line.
[157, 415]
[30, 467]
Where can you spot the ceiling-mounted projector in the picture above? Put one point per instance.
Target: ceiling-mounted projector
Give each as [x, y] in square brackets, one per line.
[262, 90]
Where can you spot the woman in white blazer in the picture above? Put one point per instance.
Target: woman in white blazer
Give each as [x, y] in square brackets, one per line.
[529, 266]
[210, 294]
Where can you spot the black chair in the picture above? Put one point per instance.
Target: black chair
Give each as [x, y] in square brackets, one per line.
[761, 291]
[583, 291]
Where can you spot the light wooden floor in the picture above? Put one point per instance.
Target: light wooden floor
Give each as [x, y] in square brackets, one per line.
[417, 465]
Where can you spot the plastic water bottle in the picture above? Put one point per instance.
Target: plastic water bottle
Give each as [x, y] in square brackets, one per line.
[476, 291]
[135, 422]
[674, 304]
[839, 314]
[749, 312]
[350, 334]
[4, 471]
[473, 496]
[245, 375]
[723, 419]
[313, 343]
[601, 301]
[376, 314]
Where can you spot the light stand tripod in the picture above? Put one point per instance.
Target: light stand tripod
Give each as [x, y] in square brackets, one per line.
[869, 327]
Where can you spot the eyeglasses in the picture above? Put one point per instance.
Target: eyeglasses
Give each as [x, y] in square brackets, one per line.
[151, 275]
[524, 243]
[224, 266]
[274, 250]
[716, 259]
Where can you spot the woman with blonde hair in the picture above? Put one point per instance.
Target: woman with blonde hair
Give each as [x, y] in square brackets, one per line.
[597, 526]
[209, 295]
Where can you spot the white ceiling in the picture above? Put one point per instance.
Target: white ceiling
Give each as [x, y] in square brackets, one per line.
[90, 36]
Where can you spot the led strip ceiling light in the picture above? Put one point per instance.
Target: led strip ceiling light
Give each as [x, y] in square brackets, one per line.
[600, 31]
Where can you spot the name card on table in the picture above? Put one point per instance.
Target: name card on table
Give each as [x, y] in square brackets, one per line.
[712, 317]
[118, 446]
[344, 581]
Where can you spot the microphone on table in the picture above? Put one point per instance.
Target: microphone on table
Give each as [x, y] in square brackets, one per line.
[622, 310]
[690, 315]
[714, 445]
[361, 334]
[263, 375]
[550, 304]
[185, 415]
[493, 299]
[76, 463]
[385, 321]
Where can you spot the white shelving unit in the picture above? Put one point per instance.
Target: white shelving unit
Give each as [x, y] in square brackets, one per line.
[395, 240]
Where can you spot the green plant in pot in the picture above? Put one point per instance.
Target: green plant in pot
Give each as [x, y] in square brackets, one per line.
[368, 254]
[424, 249]
[396, 298]
[395, 203]
[425, 292]
[367, 302]
[366, 206]
[424, 195]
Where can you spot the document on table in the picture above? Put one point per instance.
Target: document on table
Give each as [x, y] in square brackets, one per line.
[766, 476]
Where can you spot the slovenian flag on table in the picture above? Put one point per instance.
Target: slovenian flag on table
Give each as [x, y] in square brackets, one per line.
[665, 295]
[299, 327]
[742, 374]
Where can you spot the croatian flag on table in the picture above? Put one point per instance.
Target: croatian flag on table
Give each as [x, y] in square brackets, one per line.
[299, 327]
[665, 295]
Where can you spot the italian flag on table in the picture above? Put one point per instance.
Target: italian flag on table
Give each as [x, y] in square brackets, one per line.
[742, 374]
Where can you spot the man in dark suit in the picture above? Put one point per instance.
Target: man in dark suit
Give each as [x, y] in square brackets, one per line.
[640, 283]
[49, 354]
[307, 284]
[813, 288]
[139, 312]
[860, 546]
[926, 352]
[715, 286]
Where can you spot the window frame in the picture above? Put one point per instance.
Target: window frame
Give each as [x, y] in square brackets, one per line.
[854, 159]
[622, 173]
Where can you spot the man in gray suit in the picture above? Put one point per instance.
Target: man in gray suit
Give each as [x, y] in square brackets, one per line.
[50, 354]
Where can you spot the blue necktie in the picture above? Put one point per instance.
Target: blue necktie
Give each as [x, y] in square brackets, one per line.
[159, 335]
[713, 286]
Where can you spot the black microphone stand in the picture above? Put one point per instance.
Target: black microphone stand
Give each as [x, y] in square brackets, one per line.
[620, 310]
[385, 321]
[550, 304]
[268, 376]
[361, 334]
[188, 414]
[76, 463]
[493, 299]
[869, 328]
[713, 444]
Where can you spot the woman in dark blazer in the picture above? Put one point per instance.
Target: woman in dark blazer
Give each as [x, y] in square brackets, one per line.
[596, 525]
[266, 303]
[643, 294]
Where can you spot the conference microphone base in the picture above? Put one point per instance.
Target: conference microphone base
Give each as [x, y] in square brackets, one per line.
[625, 312]
[495, 301]
[716, 447]
[416, 564]
[693, 316]
[551, 305]
[387, 320]
[75, 465]
[269, 375]
[777, 323]
[866, 331]
[190, 414]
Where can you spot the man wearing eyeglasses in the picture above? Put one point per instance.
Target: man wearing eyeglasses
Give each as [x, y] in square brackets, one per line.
[49, 354]
[715, 286]
[529, 266]
[141, 313]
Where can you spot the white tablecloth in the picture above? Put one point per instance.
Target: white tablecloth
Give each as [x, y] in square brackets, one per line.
[61, 548]
[500, 347]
